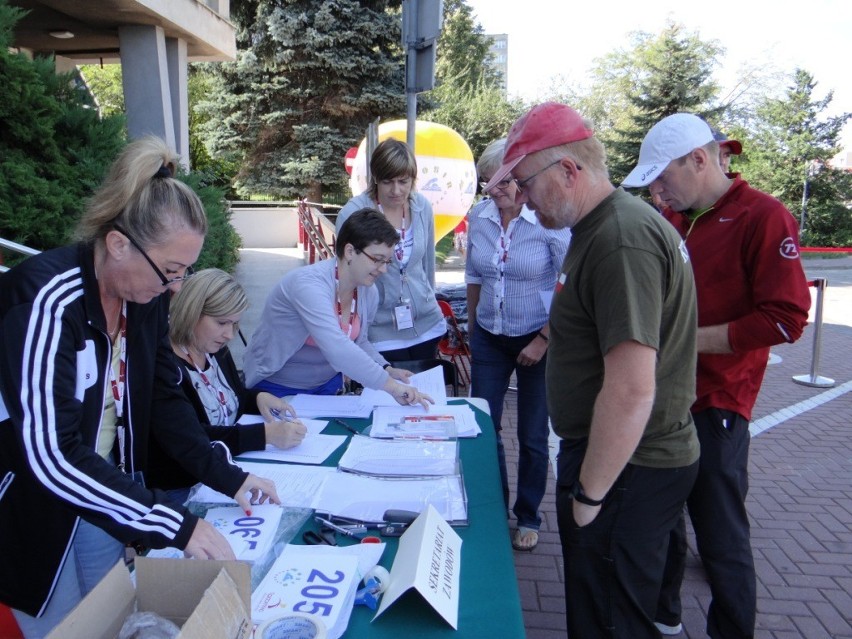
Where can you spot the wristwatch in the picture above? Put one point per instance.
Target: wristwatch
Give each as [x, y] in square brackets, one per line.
[579, 494]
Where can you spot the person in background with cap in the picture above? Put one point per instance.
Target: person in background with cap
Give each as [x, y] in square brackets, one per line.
[620, 373]
[727, 148]
[752, 294]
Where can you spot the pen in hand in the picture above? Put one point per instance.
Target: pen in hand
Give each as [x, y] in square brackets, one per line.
[340, 422]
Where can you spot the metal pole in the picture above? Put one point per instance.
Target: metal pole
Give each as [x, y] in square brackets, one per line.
[814, 379]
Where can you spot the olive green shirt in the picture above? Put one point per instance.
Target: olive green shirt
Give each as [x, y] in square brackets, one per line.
[626, 277]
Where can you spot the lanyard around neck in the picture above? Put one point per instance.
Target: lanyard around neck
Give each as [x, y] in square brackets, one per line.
[352, 307]
[119, 384]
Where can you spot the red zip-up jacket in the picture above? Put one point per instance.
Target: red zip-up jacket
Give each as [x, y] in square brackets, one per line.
[748, 274]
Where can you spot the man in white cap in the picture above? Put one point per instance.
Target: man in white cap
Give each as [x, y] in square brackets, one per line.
[752, 294]
[620, 373]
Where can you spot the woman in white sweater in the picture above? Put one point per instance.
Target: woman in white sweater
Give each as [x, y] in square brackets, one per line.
[313, 327]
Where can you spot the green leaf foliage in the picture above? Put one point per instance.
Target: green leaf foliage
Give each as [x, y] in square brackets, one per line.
[54, 148]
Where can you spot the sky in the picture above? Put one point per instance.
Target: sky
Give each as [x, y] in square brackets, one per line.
[551, 38]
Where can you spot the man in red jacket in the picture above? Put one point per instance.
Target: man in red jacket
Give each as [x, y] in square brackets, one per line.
[752, 294]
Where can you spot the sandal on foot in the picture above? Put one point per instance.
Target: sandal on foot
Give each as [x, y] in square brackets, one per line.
[525, 539]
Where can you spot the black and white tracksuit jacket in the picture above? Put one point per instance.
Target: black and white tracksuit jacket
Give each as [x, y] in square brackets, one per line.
[54, 374]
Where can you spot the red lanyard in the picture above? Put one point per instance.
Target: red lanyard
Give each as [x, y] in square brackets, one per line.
[118, 386]
[340, 306]
[504, 257]
[399, 250]
[216, 392]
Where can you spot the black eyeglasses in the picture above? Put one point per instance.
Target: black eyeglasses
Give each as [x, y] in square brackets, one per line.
[502, 184]
[163, 279]
[523, 183]
[379, 260]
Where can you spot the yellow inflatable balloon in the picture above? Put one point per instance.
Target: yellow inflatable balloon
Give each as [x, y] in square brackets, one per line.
[446, 171]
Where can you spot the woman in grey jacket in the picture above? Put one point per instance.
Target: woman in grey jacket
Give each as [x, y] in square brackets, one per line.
[409, 322]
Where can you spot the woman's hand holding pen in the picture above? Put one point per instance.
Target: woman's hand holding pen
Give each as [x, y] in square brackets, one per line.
[407, 395]
[275, 408]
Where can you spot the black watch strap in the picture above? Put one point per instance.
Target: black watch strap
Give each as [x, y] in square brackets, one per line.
[579, 494]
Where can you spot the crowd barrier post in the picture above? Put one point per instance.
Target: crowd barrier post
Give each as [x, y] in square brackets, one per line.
[814, 379]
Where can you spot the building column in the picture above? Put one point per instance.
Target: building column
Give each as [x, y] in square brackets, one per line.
[145, 77]
[177, 68]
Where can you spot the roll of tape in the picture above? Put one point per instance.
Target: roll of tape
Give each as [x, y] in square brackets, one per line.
[381, 575]
[292, 626]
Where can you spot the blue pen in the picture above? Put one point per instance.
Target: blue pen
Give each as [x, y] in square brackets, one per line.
[277, 415]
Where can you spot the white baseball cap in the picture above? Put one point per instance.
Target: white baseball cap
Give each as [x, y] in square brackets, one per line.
[669, 139]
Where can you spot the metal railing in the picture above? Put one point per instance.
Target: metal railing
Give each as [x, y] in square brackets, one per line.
[18, 248]
[311, 235]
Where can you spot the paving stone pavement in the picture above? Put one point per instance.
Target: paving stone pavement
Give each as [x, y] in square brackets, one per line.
[800, 499]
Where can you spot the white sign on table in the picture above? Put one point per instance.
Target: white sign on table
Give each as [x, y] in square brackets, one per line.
[428, 560]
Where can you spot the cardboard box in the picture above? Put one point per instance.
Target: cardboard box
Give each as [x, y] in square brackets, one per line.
[207, 599]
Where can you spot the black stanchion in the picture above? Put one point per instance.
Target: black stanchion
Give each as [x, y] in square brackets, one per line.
[815, 379]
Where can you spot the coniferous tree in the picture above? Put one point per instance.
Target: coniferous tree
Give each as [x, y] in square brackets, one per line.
[468, 97]
[310, 75]
[787, 154]
[54, 149]
[670, 73]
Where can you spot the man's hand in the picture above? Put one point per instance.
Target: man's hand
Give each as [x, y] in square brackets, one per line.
[583, 514]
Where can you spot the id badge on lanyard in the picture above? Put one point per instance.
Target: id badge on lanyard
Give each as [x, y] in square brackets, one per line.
[403, 318]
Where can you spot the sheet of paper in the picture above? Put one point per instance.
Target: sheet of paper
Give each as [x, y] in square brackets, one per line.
[367, 498]
[466, 425]
[297, 486]
[430, 382]
[316, 582]
[314, 449]
[250, 536]
[400, 457]
[331, 406]
[314, 426]
[428, 560]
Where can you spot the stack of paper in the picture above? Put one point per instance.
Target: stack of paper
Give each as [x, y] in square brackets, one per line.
[331, 406]
[400, 457]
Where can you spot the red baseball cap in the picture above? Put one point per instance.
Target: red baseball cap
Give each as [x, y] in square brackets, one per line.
[734, 145]
[545, 125]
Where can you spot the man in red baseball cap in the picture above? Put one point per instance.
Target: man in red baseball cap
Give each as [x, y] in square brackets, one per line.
[727, 148]
[620, 373]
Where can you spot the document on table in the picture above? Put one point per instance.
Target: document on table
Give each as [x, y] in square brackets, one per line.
[367, 498]
[331, 406]
[314, 426]
[416, 458]
[297, 486]
[314, 449]
[430, 382]
[386, 417]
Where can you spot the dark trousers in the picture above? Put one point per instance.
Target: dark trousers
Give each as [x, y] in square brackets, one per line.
[614, 565]
[423, 350]
[722, 532]
[494, 358]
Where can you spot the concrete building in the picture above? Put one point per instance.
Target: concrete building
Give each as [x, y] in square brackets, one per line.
[499, 51]
[153, 40]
